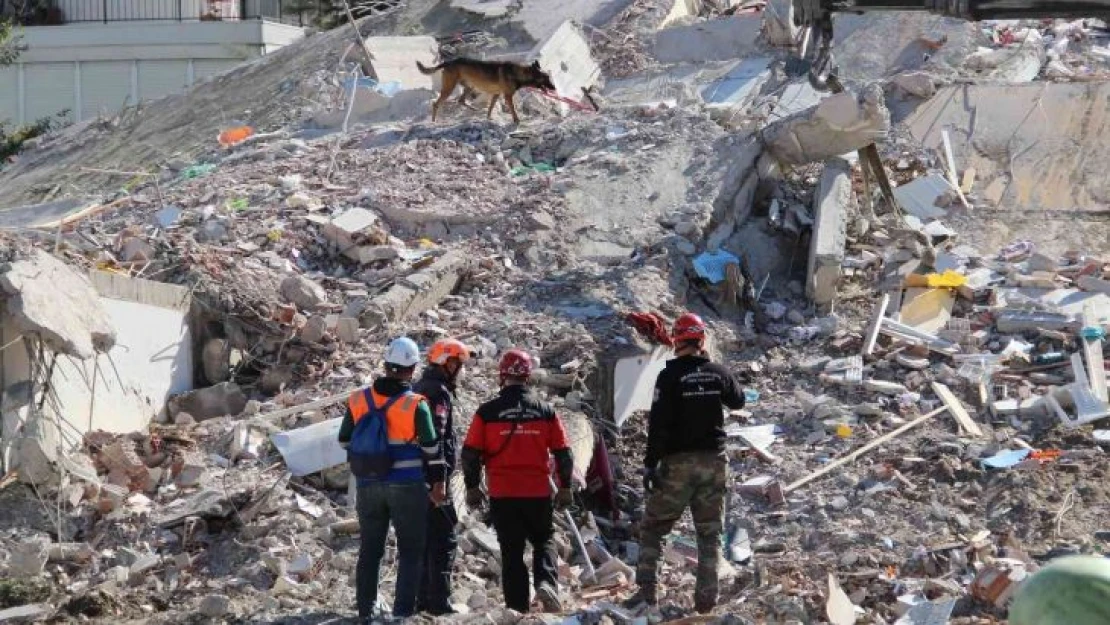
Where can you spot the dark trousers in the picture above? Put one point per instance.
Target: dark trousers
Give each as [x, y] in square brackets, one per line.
[439, 559]
[517, 522]
[406, 506]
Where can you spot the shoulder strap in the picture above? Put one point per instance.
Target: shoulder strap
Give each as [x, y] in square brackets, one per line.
[388, 402]
[509, 438]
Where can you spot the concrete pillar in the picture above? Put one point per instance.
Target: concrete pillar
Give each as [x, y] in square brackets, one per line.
[830, 228]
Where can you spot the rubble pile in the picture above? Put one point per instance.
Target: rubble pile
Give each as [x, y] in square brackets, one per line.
[924, 402]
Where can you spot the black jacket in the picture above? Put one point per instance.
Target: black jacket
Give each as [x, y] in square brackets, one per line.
[440, 393]
[687, 412]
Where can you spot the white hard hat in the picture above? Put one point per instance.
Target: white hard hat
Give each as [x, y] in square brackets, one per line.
[402, 352]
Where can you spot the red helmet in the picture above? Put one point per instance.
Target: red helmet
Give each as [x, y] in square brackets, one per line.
[688, 327]
[516, 363]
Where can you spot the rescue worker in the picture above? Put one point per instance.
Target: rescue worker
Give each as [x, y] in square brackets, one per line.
[445, 361]
[401, 496]
[685, 464]
[515, 435]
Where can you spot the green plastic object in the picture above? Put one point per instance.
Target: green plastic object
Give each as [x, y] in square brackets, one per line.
[1073, 590]
[196, 171]
[542, 168]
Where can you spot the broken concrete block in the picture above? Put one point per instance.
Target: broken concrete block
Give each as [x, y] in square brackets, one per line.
[838, 125]
[28, 558]
[484, 539]
[423, 290]
[122, 457]
[918, 84]
[49, 299]
[215, 361]
[344, 230]
[565, 56]
[275, 378]
[215, 606]
[315, 330]
[832, 204]
[135, 249]
[111, 498]
[366, 254]
[347, 330]
[189, 469]
[302, 292]
[208, 403]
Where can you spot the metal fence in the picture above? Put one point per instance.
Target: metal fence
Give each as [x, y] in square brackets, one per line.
[105, 11]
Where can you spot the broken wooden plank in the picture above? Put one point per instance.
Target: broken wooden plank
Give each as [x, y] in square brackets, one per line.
[876, 325]
[839, 462]
[954, 406]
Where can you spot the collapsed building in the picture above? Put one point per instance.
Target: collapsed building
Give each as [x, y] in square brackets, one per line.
[183, 364]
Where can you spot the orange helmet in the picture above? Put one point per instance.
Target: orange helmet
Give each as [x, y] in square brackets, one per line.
[445, 349]
[688, 327]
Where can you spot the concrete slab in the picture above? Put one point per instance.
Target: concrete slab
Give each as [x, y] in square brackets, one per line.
[722, 39]
[1044, 145]
[795, 98]
[423, 290]
[47, 298]
[840, 124]
[565, 56]
[826, 249]
[740, 85]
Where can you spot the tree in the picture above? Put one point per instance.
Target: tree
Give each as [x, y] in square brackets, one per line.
[12, 140]
[11, 44]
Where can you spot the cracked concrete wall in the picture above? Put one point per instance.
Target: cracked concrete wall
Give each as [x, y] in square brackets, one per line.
[117, 391]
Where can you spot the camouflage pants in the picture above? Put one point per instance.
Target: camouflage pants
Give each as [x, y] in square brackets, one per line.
[694, 479]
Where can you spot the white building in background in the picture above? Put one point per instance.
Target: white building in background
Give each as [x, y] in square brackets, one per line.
[92, 57]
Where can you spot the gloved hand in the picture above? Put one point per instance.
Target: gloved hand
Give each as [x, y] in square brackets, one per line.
[475, 497]
[564, 499]
[651, 479]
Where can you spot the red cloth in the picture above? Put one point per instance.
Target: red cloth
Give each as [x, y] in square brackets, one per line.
[599, 477]
[652, 326]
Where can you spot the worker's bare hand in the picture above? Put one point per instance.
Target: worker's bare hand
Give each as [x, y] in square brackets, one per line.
[438, 494]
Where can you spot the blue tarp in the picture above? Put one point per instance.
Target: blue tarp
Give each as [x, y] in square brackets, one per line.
[711, 265]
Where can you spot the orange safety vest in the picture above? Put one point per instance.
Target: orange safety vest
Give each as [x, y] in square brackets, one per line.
[400, 421]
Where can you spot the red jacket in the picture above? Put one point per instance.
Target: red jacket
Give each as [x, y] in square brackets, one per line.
[515, 435]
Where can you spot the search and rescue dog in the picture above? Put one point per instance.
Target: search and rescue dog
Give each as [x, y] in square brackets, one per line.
[498, 79]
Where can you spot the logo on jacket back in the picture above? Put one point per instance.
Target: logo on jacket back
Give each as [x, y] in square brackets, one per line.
[368, 452]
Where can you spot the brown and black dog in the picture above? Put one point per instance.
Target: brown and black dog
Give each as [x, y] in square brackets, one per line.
[499, 79]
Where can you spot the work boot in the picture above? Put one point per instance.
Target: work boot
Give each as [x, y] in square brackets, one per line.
[645, 596]
[549, 598]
